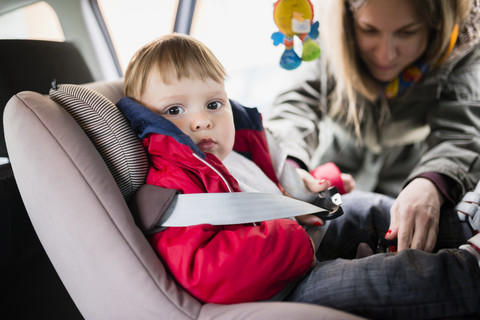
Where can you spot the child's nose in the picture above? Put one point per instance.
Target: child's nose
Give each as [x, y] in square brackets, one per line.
[201, 122]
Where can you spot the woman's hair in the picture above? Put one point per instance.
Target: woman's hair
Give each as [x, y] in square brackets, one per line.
[173, 55]
[353, 80]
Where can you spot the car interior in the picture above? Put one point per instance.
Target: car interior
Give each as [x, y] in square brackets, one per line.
[71, 247]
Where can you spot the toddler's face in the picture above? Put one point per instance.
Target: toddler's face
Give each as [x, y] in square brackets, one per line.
[199, 108]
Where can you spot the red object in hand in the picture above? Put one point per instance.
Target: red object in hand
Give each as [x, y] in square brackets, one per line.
[329, 171]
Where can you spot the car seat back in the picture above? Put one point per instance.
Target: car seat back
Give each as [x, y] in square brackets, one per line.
[81, 216]
[25, 268]
[70, 184]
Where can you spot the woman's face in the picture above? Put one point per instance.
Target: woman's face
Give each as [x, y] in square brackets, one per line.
[390, 35]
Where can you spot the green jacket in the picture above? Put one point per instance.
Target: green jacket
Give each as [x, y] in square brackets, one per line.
[434, 127]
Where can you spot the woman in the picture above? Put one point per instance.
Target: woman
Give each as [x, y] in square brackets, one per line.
[397, 107]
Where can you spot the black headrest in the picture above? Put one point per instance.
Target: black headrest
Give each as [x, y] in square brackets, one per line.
[32, 65]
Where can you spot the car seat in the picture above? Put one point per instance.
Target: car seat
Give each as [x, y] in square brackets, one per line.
[26, 272]
[77, 163]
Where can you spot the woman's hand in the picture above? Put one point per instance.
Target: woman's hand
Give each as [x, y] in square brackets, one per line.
[415, 216]
[316, 186]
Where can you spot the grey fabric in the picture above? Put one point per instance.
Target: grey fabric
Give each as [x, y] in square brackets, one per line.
[110, 132]
[112, 90]
[272, 310]
[83, 221]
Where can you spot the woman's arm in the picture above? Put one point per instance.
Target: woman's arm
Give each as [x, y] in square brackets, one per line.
[294, 118]
[453, 152]
[454, 141]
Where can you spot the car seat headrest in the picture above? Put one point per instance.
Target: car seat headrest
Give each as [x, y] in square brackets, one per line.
[109, 131]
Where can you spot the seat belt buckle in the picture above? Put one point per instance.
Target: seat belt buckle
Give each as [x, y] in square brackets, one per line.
[331, 201]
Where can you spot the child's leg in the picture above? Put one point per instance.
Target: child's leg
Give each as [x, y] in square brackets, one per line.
[366, 219]
[408, 285]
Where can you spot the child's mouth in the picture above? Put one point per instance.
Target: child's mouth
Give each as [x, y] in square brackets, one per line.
[206, 145]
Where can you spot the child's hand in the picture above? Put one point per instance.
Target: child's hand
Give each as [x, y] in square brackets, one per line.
[313, 184]
[316, 186]
[348, 182]
[329, 171]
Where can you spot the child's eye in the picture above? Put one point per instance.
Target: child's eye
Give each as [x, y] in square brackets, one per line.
[175, 110]
[214, 105]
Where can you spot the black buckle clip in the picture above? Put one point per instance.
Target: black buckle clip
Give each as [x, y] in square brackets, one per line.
[329, 200]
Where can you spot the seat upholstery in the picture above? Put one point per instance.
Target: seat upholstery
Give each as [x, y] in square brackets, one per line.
[88, 231]
[26, 271]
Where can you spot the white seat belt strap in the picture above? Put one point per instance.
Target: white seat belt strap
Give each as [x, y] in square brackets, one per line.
[232, 208]
[237, 208]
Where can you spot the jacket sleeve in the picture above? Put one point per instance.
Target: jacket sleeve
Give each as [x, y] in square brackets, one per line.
[454, 141]
[295, 116]
[233, 264]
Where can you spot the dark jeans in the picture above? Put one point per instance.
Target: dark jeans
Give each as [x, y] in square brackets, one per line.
[408, 285]
[367, 218]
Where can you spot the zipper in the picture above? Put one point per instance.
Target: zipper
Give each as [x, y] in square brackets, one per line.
[216, 171]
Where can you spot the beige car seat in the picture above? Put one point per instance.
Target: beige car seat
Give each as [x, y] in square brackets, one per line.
[26, 273]
[77, 163]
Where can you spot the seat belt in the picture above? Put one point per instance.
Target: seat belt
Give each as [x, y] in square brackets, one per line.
[232, 208]
[229, 208]
[239, 208]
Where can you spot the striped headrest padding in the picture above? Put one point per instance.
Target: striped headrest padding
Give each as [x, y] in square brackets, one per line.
[109, 131]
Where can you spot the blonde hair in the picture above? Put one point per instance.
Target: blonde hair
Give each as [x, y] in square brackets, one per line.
[173, 55]
[354, 84]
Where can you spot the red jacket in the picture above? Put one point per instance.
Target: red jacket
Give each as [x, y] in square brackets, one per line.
[220, 264]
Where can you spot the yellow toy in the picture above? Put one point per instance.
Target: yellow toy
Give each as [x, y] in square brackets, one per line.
[295, 18]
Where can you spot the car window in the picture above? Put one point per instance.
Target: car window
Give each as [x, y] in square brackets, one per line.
[239, 34]
[134, 23]
[37, 21]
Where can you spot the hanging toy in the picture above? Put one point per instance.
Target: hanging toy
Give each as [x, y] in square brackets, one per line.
[295, 18]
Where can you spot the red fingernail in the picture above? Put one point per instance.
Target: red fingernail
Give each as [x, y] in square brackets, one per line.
[318, 223]
[321, 181]
[393, 249]
[388, 232]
